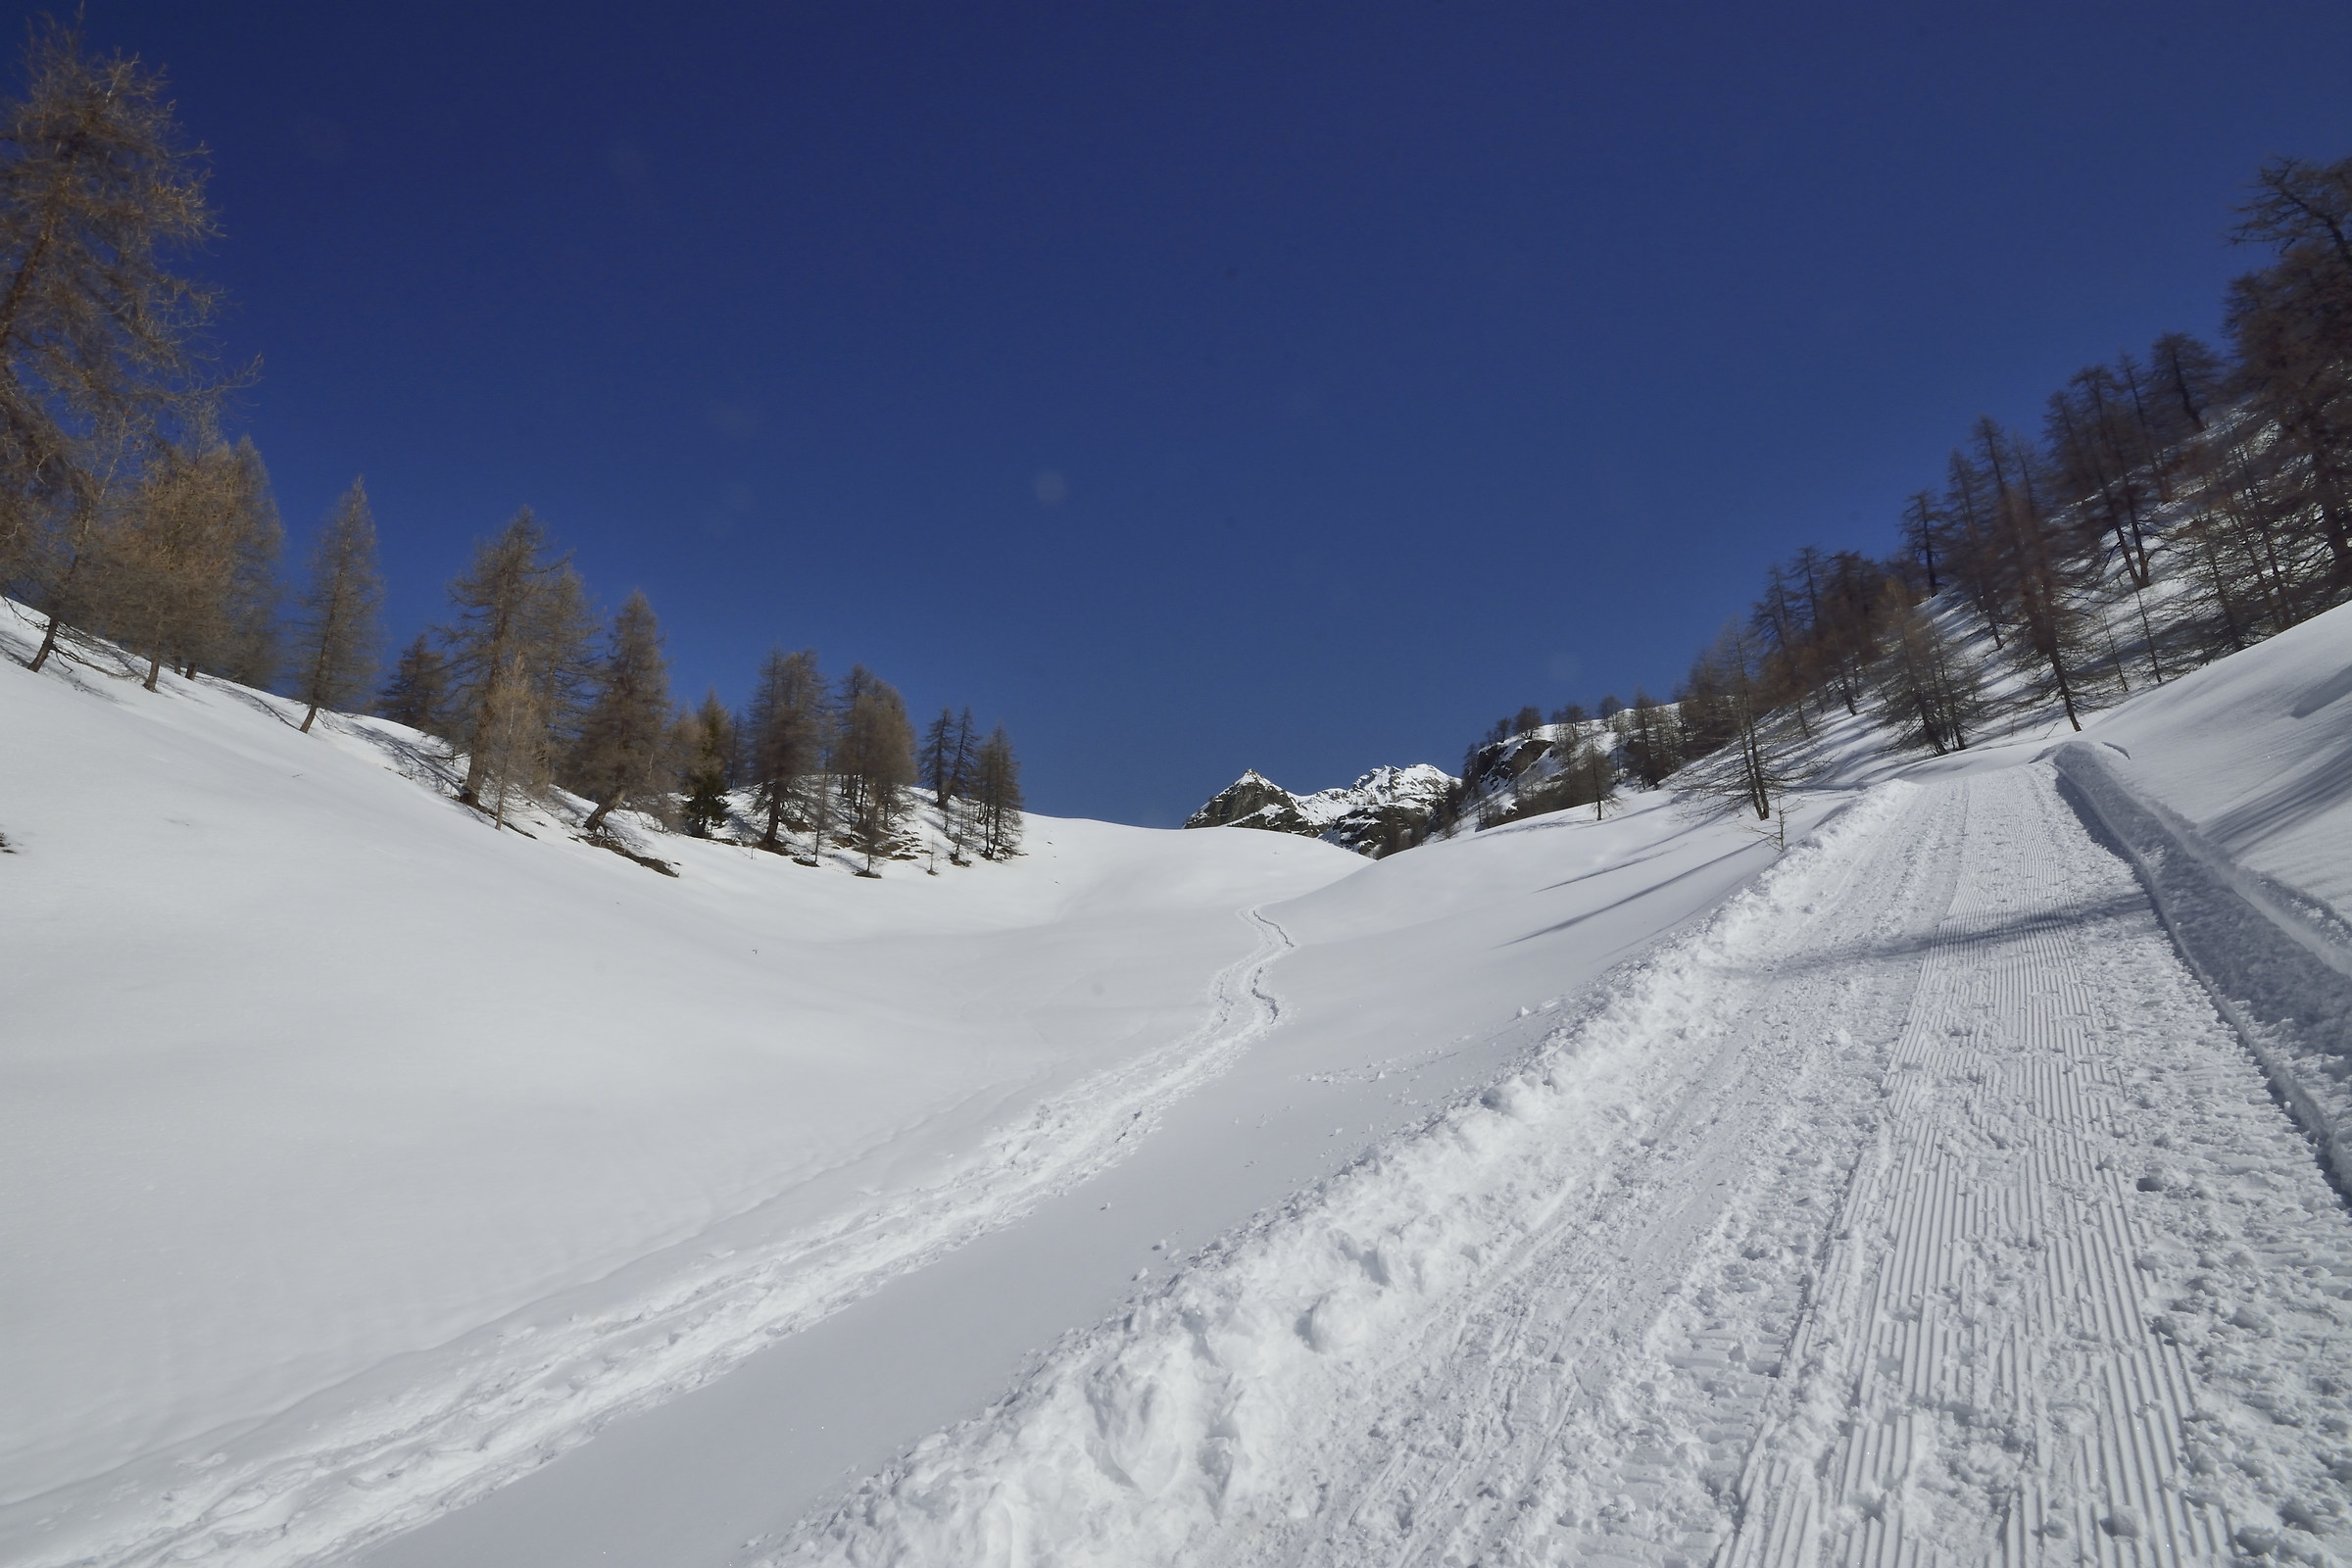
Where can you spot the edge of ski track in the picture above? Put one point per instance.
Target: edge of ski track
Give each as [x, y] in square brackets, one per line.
[2259, 982]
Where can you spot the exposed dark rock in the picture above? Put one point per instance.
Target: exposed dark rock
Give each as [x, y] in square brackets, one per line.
[1387, 809]
[1254, 801]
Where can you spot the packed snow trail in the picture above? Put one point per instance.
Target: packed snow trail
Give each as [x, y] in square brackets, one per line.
[2066, 1314]
[1918, 1206]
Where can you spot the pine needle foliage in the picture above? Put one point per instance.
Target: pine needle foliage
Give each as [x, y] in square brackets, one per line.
[418, 693]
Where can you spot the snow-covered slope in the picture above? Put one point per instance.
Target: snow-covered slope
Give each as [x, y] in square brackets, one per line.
[1533, 1202]
[1393, 808]
[1415, 980]
[2256, 752]
[315, 1089]
[1919, 1204]
[1530, 773]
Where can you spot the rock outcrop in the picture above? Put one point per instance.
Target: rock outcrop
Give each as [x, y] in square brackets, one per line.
[1387, 809]
[1254, 801]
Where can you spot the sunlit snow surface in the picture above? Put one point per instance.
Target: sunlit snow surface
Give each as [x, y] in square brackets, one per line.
[1527, 1199]
[311, 1077]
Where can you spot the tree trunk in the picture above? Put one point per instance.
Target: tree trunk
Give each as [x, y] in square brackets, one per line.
[64, 591]
[596, 818]
[2148, 632]
[1928, 726]
[2339, 538]
[48, 645]
[2066, 692]
[21, 284]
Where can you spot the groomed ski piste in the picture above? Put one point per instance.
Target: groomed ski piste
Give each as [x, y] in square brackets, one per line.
[1963, 1183]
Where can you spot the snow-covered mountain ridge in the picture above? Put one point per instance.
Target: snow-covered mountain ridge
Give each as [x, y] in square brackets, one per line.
[1386, 810]
[1525, 774]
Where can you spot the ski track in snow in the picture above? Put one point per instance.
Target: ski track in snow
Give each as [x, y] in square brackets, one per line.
[2034, 1342]
[1919, 1206]
[512, 1397]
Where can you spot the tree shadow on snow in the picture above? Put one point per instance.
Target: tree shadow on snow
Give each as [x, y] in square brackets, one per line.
[2322, 786]
[1633, 896]
[1951, 933]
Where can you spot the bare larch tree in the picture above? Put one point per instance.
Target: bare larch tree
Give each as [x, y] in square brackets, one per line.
[518, 618]
[617, 758]
[785, 738]
[999, 797]
[102, 350]
[339, 632]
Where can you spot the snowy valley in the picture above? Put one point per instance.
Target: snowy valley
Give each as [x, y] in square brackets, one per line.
[1879, 1096]
[1965, 1180]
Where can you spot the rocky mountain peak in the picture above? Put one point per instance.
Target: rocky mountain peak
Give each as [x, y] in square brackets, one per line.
[1386, 810]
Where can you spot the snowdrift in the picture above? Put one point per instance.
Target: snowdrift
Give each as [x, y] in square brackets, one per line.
[2281, 976]
[2255, 752]
[2230, 791]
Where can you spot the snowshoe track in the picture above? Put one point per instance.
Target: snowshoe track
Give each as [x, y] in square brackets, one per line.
[303, 1490]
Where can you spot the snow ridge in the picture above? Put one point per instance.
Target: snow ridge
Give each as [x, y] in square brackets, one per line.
[509, 1397]
[2280, 977]
[1382, 786]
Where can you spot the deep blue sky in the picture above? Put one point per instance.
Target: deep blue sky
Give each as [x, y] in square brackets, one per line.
[1200, 387]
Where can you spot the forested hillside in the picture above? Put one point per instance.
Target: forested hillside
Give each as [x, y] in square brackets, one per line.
[131, 520]
[2172, 507]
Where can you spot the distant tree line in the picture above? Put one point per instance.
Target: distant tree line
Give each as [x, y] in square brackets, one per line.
[533, 691]
[126, 515]
[2174, 506]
